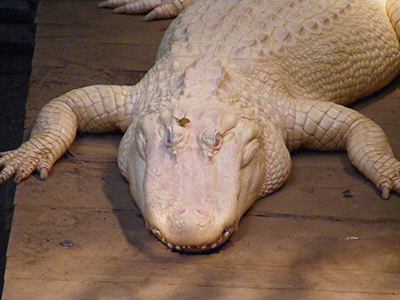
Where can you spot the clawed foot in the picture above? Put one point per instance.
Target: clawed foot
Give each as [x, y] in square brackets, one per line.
[156, 9]
[388, 178]
[23, 162]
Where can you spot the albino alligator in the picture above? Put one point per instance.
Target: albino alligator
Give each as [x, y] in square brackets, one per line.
[236, 85]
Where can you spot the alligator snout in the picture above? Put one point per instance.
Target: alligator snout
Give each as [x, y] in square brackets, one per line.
[192, 230]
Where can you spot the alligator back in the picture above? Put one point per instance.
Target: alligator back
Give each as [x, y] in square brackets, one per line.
[327, 50]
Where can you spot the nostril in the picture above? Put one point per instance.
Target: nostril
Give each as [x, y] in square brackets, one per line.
[183, 213]
[202, 212]
[180, 212]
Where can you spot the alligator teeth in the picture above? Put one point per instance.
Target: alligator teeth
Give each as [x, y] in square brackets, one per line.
[226, 233]
[222, 238]
[156, 232]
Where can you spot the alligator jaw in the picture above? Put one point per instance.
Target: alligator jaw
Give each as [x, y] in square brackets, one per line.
[194, 248]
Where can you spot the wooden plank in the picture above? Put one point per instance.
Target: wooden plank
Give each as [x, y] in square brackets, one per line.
[93, 55]
[119, 235]
[77, 290]
[292, 255]
[102, 32]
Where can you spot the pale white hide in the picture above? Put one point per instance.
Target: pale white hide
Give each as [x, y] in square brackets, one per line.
[193, 175]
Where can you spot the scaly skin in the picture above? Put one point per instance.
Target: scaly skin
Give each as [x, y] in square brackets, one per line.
[158, 9]
[236, 85]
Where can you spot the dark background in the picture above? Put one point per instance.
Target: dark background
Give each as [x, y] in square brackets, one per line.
[16, 49]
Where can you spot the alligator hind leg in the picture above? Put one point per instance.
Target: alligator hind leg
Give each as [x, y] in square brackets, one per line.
[156, 9]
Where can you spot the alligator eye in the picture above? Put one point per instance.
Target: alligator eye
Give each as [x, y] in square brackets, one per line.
[173, 136]
[217, 141]
[249, 152]
[168, 138]
[213, 140]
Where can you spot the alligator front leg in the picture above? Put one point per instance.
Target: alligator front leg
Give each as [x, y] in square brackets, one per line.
[328, 126]
[156, 9]
[90, 109]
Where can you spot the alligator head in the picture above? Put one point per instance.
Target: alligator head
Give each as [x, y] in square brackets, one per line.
[193, 174]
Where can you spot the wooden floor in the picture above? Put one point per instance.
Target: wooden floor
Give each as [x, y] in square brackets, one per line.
[312, 240]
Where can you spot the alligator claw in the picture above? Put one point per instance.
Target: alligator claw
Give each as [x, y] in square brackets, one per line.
[385, 193]
[389, 179]
[18, 178]
[43, 169]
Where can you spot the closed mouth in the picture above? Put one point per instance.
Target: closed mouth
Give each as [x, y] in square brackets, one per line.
[194, 248]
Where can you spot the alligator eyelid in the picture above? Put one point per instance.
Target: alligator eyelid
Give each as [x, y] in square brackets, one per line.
[227, 136]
